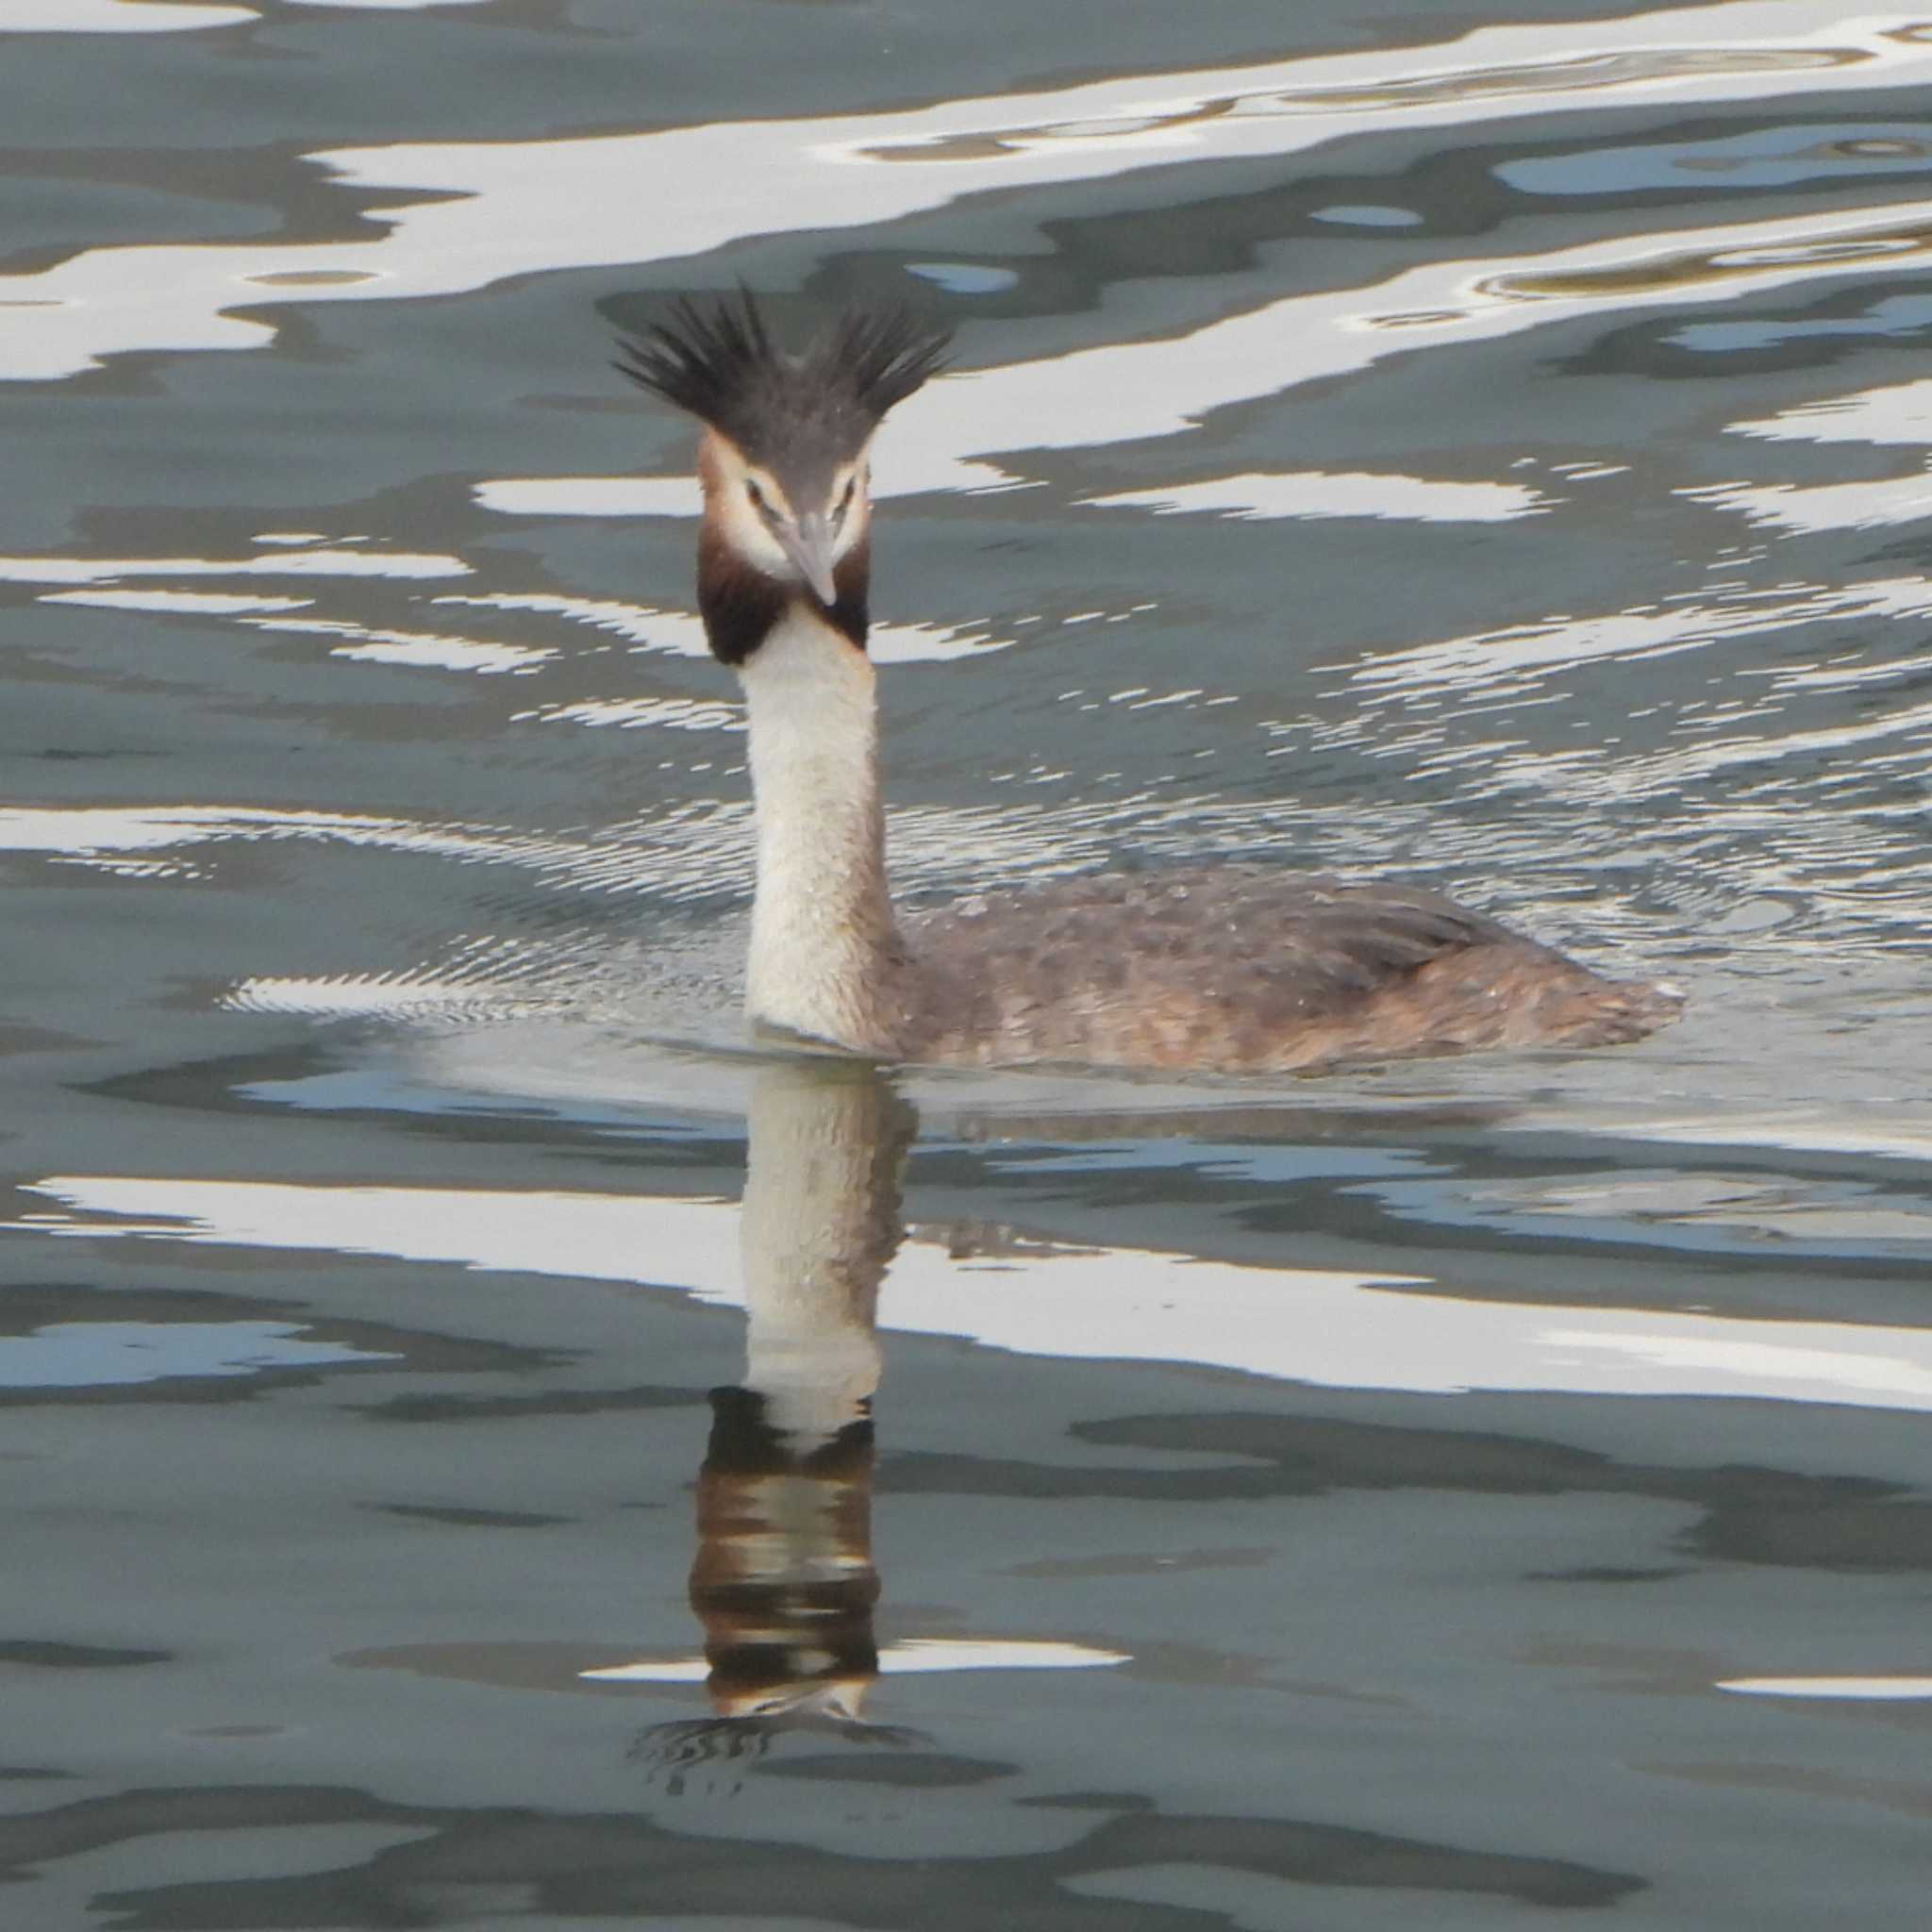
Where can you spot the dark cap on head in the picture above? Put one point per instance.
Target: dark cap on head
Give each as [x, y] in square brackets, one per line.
[819, 406]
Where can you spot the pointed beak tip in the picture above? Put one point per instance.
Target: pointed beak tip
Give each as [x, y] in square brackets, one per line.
[812, 553]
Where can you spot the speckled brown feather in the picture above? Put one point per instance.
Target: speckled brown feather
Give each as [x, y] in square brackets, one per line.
[1238, 969]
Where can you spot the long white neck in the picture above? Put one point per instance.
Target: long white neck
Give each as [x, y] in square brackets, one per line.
[825, 953]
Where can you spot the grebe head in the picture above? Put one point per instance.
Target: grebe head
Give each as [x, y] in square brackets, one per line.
[783, 462]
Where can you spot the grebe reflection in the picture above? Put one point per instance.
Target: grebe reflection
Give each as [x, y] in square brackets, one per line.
[784, 1583]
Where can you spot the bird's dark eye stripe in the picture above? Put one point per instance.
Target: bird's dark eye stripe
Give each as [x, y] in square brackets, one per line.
[766, 508]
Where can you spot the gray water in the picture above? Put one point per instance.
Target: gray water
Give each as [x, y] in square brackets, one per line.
[1488, 450]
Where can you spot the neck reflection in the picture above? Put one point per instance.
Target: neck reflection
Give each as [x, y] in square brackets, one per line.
[784, 1583]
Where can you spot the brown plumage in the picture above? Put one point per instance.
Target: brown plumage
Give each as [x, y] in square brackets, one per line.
[1240, 968]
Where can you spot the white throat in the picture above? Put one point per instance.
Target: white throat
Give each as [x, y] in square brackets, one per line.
[823, 950]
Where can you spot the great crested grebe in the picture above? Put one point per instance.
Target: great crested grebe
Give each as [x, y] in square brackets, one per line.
[1224, 968]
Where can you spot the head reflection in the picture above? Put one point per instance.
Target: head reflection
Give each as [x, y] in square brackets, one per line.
[784, 1583]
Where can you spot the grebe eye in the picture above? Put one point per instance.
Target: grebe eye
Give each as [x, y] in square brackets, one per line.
[757, 495]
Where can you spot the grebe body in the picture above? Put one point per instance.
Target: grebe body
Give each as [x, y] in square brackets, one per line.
[1224, 968]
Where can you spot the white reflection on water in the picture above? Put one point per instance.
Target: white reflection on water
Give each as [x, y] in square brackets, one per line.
[1852, 1690]
[1316, 494]
[678, 632]
[592, 496]
[103, 836]
[518, 208]
[418, 650]
[281, 563]
[915, 1655]
[631, 714]
[381, 6]
[1896, 413]
[199, 602]
[1823, 506]
[114, 16]
[1313, 1326]
[1897, 1138]
[81, 832]
[1899, 413]
[1518, 654]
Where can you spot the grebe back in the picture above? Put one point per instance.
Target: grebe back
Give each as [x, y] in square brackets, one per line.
[1226, 968]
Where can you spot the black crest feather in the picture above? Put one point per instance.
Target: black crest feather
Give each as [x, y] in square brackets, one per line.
[721, 364]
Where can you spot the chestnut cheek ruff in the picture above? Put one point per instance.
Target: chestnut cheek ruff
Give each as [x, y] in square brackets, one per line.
[738, 603]
[741, 605]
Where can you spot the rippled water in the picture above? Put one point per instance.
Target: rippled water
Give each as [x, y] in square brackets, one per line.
[1491, 453]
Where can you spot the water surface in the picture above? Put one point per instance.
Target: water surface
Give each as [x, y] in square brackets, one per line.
[1488, 450]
